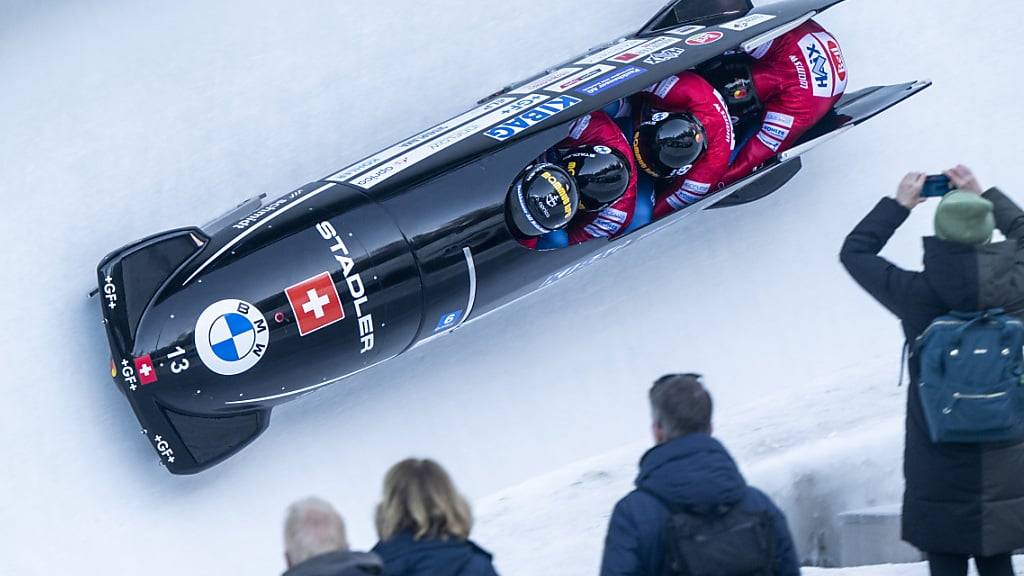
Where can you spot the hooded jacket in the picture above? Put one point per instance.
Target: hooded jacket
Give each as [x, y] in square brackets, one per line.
[342, 563]
[959, 498]
[405, 556]
[694, 471]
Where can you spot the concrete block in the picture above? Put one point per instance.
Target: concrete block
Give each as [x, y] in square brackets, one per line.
[872, 536]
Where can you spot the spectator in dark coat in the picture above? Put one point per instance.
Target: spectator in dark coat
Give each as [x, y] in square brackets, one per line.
[424, 525]
[315, 543]
[961, 500]
[687, 469]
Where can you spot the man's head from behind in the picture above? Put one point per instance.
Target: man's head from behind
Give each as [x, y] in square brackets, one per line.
[679, 406]
[311, 528]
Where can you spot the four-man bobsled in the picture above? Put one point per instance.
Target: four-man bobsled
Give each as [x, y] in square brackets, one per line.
[211, 327]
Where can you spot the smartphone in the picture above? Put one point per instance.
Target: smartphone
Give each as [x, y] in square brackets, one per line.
[936, 186]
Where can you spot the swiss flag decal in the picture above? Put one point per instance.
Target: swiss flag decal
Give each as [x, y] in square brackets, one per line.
[144, 368]
[315, 303]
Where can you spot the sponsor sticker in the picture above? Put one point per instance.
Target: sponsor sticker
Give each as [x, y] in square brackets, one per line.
[611, 80]
[413, 141]
[577, 79]
[110, 292]
[544, 81]
[748, 22]
[354, 281]
[645, 49]
[231, 336]
[780, 119]
[146, 371]
[836, 55]
[532, 117]
[664, 56]
[128, 374]
[448, 320]
[704, 38]
[258, 215]
[825, 78]
[775, 131]
[609, 51]
[397, 165]
[685, 30]
[315, 303]
[768, 141]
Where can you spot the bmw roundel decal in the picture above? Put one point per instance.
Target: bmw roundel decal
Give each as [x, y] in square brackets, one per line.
[231, 336]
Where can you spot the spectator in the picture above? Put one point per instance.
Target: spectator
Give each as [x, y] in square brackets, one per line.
[961, 499]
[424, 525]
[692, 512]
[315, 543]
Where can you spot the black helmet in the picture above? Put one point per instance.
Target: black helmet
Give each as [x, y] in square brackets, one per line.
[667, 143]
[601, 174]
[544, 198]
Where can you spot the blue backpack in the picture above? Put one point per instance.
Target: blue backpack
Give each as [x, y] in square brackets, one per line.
[970, 383]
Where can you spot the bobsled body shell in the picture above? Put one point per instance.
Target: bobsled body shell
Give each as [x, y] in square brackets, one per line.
[414, 240]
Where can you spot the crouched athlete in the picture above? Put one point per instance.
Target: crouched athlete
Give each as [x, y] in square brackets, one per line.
[684, 138]
[794, 81]
[585, 185]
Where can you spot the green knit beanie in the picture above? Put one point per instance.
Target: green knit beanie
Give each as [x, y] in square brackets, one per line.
[964, 217]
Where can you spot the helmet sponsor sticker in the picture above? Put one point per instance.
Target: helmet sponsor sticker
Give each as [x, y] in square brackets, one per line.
[609, 52]
[611, 80]
[704, 38]
[530, 118]
[602, 150]
[645, 49]
[231, 336]
[748, 22]
[544, 81]
[574, 81]
[315, 303]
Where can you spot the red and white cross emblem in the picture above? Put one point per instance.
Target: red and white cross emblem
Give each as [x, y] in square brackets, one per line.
[315, 303]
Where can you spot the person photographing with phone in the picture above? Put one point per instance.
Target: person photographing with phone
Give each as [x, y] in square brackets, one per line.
[964, 452]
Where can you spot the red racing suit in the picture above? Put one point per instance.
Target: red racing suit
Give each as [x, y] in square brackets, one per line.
[598, 129]
[688, 92]
[798, 76]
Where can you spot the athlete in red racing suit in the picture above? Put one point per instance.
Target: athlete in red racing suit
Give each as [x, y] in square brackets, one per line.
[598, 129]
[688, 92]
[798, 77]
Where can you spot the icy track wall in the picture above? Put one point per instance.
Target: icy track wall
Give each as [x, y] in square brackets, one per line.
[122, 118]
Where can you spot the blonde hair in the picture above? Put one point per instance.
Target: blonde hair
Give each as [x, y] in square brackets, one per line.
[420, 498]
[311, 528]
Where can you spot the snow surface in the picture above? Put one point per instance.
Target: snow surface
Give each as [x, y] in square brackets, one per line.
[124, 117]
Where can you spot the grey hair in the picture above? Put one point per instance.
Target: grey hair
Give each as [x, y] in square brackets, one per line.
[311, 528]
[681, 405]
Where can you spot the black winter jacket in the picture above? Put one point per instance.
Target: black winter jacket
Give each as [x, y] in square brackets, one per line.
[405, 556]
[344, 563]
[959, 498]
[693, 471]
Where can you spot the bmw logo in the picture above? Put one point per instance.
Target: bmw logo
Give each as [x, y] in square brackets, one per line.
[231, 336]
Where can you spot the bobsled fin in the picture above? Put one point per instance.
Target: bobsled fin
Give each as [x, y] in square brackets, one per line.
[144, 270]
[210, 439]
[696, 11]
[758, 188]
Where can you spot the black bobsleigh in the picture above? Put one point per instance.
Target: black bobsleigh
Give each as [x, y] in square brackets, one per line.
[211, 327]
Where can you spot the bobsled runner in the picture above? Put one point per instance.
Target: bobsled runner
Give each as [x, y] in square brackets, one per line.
[210, 327]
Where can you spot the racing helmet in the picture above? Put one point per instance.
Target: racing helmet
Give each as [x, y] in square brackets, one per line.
[666, 144]
[601, 174]
[543, 199]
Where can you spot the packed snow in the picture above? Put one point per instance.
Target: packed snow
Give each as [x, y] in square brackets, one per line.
[122, 118]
